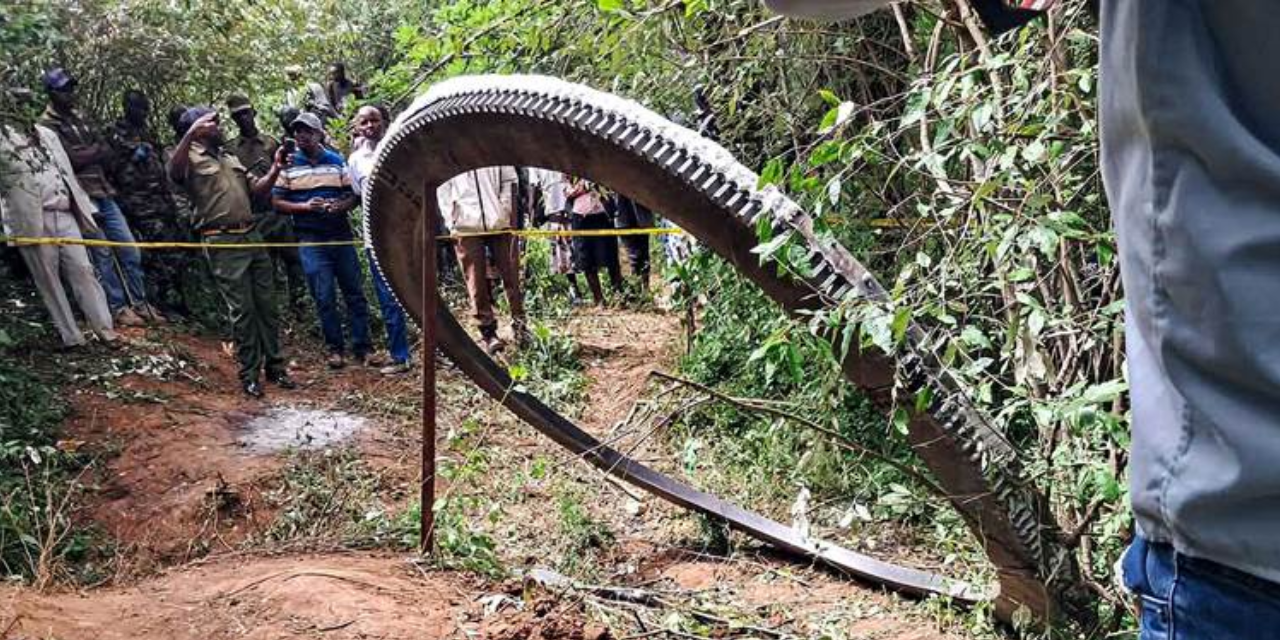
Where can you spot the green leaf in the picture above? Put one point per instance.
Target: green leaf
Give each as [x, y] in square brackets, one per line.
[973, 337]
[901, 322]
[772, 173]
[1033, 152]
[611, 5]
[767, 250]
[878, 329]
[1105, 392]
[923, 398]
[901, 420]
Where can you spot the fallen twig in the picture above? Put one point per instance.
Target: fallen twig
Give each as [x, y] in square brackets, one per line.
[9, 627]
[335, 627]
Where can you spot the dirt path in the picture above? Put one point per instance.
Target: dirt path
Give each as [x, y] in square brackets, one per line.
[619, 348]
[181, 489]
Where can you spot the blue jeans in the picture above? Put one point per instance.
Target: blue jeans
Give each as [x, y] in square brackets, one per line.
[1185, 598]
[323, 266]
[114, 227]
[392, 316]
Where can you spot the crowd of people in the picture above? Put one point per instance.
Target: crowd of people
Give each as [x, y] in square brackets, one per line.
[243, 197]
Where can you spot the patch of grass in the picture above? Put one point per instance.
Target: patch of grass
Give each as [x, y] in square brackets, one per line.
[549, 368]
[582, 536]
[463, 512]
[332, 496]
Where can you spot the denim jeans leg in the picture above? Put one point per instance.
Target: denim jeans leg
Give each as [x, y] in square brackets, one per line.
[1150, 573]
[116, 228]
[392, 316]
[351, 280]
[1214, 601]
[318, 265]
[104, 266]
[1185, 598]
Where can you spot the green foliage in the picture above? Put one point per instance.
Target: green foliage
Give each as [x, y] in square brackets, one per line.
[331, 495]
[582, 537]
[983, 152]
[38, 480]
[192, 52]
[463, 512]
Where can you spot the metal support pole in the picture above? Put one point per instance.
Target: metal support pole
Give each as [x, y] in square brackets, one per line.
[430, 307]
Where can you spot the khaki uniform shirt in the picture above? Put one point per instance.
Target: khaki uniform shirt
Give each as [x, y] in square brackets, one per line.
[77, 135]
[257, 154]
[218, 185]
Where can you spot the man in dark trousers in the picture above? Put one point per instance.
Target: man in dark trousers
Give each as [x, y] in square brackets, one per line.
[148, 204]
[316, 190]
[221, 190]
[256, 150]
[629, 214]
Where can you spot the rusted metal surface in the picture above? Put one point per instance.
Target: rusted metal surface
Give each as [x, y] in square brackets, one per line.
[430, 309]
[542, 122]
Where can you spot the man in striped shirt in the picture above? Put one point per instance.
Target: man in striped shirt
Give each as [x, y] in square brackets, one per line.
[316, 190]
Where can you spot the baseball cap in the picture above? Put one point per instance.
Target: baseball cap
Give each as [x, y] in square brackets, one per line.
[57, 79]
[306, 119]
[190, 116]
[238, 102]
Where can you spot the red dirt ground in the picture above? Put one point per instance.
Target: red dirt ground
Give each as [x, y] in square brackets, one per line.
[181, 496]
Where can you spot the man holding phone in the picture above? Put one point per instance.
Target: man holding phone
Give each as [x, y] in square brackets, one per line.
[256, 150]
[221, 190]
[315, 190]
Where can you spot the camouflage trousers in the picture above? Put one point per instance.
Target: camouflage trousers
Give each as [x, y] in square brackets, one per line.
[164, 269]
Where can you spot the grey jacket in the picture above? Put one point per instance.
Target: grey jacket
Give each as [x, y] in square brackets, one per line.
[1190, 116]
[20, 207]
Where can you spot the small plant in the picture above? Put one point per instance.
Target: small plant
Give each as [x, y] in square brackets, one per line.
[579, 528]
[330, 495]
[549, 368]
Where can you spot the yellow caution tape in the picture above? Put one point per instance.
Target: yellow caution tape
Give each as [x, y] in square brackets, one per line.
[22, 241]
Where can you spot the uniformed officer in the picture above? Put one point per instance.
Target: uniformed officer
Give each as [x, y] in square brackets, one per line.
[221, 190]
[255, 151]
[143, 192]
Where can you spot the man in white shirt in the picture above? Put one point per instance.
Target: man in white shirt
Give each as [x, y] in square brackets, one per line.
[40, 198]
[482, 202]
[370, 125]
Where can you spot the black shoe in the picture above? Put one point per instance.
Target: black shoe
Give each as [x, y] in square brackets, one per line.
[282, 380]
[253, 389]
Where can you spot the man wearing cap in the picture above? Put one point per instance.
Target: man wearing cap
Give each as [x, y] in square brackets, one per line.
[316, 190]
[221, 190]
[256, 151]
[90, 157]
[41, 198]
[148, 204]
